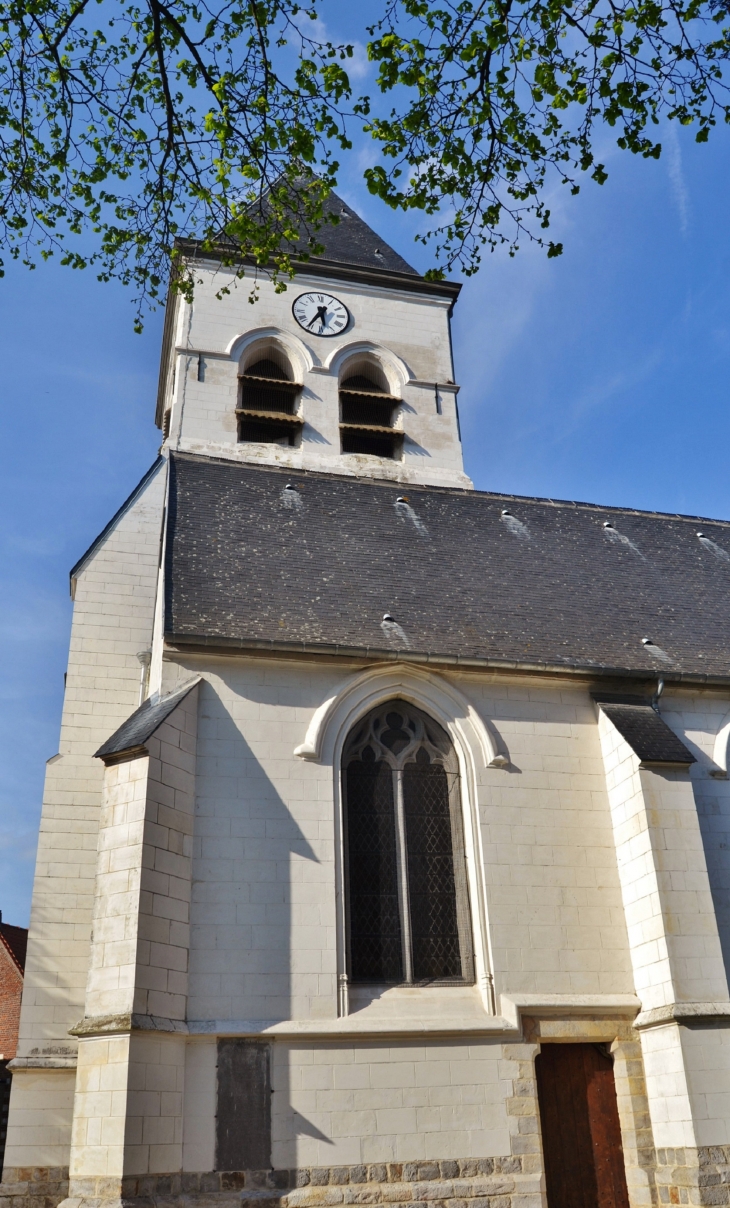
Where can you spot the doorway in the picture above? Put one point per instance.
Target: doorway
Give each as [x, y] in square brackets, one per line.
[581, 1134]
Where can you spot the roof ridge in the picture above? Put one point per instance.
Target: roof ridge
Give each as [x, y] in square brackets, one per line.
[468, 492]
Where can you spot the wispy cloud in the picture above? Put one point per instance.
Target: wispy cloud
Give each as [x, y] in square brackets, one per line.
[616, 386]
[677, 181]
[358, 67]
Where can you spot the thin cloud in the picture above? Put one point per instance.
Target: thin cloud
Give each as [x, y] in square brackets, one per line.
[680, 193]
[358, 67]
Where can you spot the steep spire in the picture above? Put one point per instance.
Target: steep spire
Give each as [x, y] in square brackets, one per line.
[352, 241]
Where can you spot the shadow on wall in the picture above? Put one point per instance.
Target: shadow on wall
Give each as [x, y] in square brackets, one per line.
[713, 810]
[263, 890]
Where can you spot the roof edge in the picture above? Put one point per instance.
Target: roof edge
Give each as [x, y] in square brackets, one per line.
[9, 947]
[79, 566]
[470, 492]
[360, 274]
[126, 741]
[433, 658]
[168, 329]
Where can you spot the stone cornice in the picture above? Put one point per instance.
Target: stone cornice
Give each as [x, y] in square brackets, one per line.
[684, 1012]
[106, 1025]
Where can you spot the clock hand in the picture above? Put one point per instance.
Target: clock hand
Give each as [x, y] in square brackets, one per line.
[321, 315]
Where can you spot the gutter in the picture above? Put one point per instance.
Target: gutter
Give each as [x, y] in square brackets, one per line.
[177, 641]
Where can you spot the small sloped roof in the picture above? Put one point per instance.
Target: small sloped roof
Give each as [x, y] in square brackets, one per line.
[15, 940]
[249, 563]
[645, 731]
[141, 725]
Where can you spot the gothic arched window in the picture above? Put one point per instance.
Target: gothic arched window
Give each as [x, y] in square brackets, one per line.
[407, 897]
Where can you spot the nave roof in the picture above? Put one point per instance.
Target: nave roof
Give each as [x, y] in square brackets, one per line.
[264, 558]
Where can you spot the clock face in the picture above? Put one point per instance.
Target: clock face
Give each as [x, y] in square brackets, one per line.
[321, 314]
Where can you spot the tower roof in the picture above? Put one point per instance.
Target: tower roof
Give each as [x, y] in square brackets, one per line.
[352, 241]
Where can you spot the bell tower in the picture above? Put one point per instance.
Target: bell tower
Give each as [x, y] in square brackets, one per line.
[349, 371]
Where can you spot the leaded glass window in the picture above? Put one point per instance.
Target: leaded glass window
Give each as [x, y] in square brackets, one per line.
[407, 897]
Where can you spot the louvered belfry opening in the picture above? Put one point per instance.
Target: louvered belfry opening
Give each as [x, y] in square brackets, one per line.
[366, 417]
[408, 917]
[267, 405]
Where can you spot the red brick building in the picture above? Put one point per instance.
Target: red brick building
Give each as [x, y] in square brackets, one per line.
[13, 943]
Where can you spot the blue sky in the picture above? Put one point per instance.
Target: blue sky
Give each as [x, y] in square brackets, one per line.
[602, 375]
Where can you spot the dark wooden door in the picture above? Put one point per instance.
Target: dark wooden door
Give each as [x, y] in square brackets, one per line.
[581, 1136]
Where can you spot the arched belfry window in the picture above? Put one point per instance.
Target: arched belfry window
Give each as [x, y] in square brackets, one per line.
[367, 409]
[267, 404]
[407, 898]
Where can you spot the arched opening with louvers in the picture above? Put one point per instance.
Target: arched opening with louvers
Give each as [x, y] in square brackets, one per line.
[268, 399]
[367, 411]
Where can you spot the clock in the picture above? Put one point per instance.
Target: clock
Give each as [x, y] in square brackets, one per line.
[320, 314]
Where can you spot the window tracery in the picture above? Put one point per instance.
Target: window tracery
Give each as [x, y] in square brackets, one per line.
[407, 898]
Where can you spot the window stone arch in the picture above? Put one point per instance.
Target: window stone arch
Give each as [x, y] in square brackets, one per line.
[268, 396]
[407, 900]
[368, 409]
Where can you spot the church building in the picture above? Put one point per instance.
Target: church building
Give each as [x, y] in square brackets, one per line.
[385, 858]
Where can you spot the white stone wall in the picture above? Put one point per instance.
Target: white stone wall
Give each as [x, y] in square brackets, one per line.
[699, 718]
[263, 911]
[388, 1102]
[670, 1106]
[141, 932]
[674, 939]
[672, 927]
[112, 622]
[200, 1104]
[345, 1104]
[264, 923]
[411, 327]
[706, 1052]
[39, 1124]
[554, 903]
[128, 1109]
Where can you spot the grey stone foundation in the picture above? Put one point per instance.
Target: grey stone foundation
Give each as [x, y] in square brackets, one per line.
[479, 1183]
[695, 1177]
[33, 1186]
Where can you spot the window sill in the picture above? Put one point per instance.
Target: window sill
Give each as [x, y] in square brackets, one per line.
[458, 1001]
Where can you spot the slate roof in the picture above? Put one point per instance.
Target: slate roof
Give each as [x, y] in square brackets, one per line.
[252, 563]
[352, 241]
[141, 725]
[645, 731]
[15, 940]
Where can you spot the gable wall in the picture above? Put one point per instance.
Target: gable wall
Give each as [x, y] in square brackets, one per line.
[112, 621]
